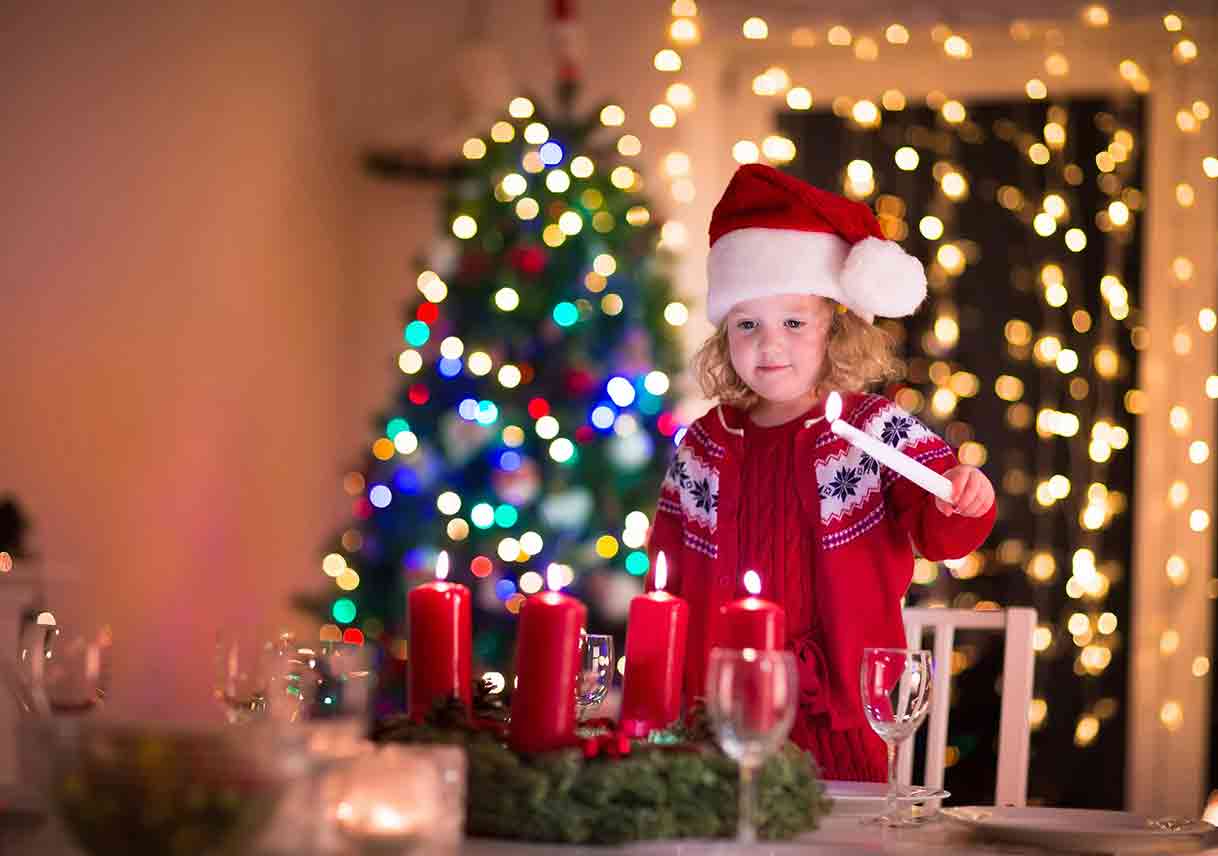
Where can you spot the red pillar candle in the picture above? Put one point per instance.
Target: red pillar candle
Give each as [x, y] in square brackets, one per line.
[752, 622]
[547, 666]
[440, 640]
[655, 658]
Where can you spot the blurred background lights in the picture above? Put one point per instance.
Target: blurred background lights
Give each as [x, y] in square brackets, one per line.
[536, 133]
[906, 158]
[465, 227]
[667, 60]
[380, 496]
[333, 564]
[656, 383]
[799, 98]
[621, 391]
[612, 115]
[755, 28]
[745, 151]
[676, 314]
[680, 96]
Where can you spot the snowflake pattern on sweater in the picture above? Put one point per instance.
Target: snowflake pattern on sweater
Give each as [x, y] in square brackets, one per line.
[696, 483]
[848, 480]
[850, 484]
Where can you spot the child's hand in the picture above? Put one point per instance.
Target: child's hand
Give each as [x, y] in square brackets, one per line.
[972, 493]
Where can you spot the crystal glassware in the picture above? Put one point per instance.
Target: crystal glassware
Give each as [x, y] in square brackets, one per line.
[595, 671]
[65, 668]
[895, 685]
[253, 676]
[335, 683]
[329, 687]
[151, 787]
[751, 698]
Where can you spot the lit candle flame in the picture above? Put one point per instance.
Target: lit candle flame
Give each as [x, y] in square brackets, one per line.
[386, 819]
[442, 565]
[661, 577]
[1211, 809]
[554, 577]
[752, 582]
[833, 407]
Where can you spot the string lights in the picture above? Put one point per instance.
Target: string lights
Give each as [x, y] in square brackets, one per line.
[1087, 395]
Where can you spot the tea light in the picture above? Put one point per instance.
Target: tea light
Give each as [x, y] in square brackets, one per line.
[377, 827]
[401, 799]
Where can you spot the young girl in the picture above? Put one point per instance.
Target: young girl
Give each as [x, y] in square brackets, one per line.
[796, 276]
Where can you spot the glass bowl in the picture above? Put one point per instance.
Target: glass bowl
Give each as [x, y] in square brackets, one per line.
[148, 788]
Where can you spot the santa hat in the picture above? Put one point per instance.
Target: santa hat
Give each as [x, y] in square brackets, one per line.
[774, 234]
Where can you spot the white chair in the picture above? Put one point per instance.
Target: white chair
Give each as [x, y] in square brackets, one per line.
[1017, 624]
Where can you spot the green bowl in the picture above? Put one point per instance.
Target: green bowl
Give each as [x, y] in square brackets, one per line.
[140, 788]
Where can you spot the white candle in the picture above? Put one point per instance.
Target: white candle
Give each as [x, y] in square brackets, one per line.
[919, 474]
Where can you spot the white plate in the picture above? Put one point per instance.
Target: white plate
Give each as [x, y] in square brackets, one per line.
[868, 797]
[1081, 829]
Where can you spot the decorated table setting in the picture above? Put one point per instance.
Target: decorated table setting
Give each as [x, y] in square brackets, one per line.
[473, 768]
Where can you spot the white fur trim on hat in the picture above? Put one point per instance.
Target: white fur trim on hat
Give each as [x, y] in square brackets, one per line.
[873, 277]
[749, 263]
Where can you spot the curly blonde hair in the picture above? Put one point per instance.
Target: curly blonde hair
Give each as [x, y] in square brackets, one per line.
[858, 355]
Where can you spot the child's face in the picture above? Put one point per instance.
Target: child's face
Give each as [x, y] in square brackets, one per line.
[778, 344]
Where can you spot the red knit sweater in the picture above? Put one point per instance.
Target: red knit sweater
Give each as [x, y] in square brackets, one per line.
[864, 523]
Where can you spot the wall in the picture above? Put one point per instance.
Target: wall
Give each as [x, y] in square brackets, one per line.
[176, 242]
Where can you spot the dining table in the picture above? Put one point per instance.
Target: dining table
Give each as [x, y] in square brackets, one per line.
[837, 834]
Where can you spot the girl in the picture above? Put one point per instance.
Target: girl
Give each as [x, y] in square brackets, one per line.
[796, 276]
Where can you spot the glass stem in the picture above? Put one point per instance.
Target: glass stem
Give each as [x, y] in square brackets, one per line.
[890, 802]
[746, 829]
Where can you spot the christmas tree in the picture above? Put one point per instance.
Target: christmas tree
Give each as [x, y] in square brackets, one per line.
[534, 420]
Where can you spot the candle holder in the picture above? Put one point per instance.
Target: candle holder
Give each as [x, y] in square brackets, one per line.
[401, 800]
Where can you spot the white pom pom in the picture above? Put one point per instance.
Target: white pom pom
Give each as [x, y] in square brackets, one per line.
[880, 278]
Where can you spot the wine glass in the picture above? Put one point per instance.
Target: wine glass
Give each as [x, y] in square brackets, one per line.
[895, 684]
[253, 674]
[66, 669]
[751, 702]
[595, 671]
[61, 680]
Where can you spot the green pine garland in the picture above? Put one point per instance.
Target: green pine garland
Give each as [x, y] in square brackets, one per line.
[665, 788]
